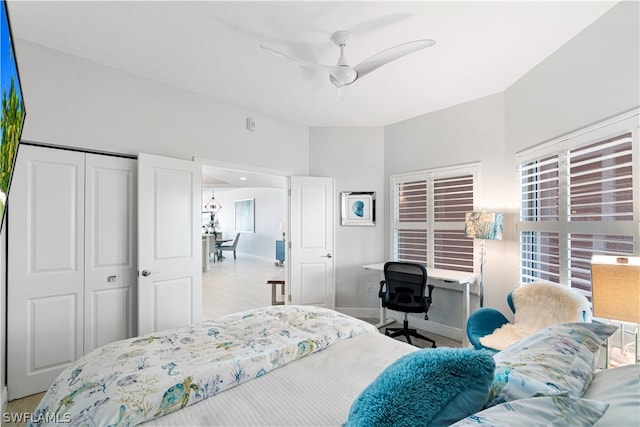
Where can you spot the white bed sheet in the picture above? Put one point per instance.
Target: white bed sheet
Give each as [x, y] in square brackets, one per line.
[317, 390]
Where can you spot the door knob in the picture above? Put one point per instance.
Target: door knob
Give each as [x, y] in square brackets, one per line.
[328, 255]
[146, 273]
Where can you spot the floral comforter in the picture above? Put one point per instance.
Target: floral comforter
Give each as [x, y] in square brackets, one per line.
[131, 381]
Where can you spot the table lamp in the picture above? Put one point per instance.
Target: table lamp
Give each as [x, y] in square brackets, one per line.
[615, 290]
[484, 226]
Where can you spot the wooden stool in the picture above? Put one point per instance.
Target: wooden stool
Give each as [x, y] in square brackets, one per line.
[278, 279]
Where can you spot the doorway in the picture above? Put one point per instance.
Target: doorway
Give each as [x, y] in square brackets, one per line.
[237, 284]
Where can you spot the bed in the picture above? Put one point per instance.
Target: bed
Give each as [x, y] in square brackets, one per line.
[308, 366]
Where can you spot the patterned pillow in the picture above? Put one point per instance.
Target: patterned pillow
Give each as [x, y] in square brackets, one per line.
[557, 360]
[426, 387]
[558, 411]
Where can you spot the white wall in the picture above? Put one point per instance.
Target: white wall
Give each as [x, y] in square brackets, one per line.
[354, 157]
[466, 133]
[78, 103]
[592, 77]
[74, 102]
[269, 203]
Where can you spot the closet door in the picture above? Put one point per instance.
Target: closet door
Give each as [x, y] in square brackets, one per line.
[45, 267]
[110, 256]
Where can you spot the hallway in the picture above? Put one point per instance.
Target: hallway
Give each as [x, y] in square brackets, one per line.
[236, 285]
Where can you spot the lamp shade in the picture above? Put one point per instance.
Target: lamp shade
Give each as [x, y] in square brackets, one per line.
[615, 287]
[483, 225]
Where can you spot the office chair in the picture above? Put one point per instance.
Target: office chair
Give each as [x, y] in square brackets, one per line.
[403, 289]
[231, 247]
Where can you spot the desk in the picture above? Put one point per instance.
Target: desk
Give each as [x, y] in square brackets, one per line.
[446, 279]
[278, 279]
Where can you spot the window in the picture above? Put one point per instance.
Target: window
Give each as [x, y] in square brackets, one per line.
[578, 198]
[428, 211]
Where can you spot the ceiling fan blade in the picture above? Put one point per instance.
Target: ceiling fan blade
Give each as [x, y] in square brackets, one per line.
[341, 93]
[388, 55]
[331, 69]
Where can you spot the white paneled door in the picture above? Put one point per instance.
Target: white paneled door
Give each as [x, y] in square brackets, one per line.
[311, 262]
[45, 268]
[71, 269]
[169, 243]
[110, 257]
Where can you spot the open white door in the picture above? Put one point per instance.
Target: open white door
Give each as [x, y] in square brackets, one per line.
[169, 243]
[311, 263]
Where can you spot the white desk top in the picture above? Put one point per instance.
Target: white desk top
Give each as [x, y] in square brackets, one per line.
[434, 273]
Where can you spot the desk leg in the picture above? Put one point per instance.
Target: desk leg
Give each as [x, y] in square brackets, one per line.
[383, 315]
[383, 318]
[466, 302]
[273, 294]
[274, 300]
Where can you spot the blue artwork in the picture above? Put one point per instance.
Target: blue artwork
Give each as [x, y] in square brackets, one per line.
[358, 208]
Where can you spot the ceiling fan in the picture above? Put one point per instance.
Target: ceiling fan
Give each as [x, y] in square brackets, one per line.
[342, 74]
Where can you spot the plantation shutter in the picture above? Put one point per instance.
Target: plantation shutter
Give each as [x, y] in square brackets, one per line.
[600, 215]
[540, 203]
[410, 218]
[428, 217]
[452, 198]
[578, 199]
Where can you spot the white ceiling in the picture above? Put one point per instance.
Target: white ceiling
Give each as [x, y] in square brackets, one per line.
[221, 178]
[212, 48]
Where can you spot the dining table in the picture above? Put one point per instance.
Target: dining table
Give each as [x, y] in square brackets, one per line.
[209, 240]
[217, 255]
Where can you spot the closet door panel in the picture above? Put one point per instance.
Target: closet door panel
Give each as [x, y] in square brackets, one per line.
[45, 267]
[111, 317]
[110, 262]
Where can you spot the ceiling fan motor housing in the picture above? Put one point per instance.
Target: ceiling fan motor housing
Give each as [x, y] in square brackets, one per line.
[344, 75]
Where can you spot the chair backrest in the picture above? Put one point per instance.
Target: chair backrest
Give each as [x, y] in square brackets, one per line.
[235, 240]
[543, 304]
[405, 287]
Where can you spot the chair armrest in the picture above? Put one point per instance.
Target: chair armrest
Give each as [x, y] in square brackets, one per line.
[483, 322]
[382, 292]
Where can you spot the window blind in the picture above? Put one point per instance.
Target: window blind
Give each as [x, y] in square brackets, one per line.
[578, 199]
[428, 217]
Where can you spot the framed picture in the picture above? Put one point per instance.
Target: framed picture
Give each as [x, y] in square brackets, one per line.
[358, 208]
[245, 220]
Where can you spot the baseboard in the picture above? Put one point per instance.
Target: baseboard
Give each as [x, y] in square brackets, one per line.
[436, 328]
[415, 322]
[263, 258]
[359, 312]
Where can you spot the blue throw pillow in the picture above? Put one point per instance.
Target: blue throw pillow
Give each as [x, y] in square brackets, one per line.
[430, 387]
